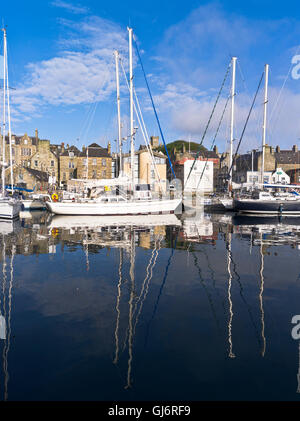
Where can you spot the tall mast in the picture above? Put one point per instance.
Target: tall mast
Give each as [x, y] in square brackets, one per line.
[9, 122]
[233, 64]
[264, 123]
[131, 107]
[119, 110]
[4, 111]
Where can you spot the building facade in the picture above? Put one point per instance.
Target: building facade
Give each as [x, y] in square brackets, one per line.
[144, 168]
[94, 162]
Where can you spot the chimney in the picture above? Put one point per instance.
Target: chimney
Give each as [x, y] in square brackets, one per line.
[277, 149]
[36, 134]
[183, 148]
[108, 148]
[215, 149]
[62, 147]
[154, 141]
[295, 148]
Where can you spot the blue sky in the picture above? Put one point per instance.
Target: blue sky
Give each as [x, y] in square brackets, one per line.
[61, 67]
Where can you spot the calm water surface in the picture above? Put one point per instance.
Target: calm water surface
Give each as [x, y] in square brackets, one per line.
[196, 308]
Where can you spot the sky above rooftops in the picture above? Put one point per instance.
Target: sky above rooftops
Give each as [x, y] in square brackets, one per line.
[61, 68]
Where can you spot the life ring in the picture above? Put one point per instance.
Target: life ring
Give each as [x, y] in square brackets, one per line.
[54, 232]
[54, 197]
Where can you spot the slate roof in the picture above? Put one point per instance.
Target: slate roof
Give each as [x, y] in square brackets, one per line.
[39, 175]
[95, 151]
[287, 157]
[18, 139]
[73, 149]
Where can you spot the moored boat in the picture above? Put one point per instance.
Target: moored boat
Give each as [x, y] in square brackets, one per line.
[265, 203]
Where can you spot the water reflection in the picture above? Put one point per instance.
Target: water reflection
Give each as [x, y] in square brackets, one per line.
[199, 302]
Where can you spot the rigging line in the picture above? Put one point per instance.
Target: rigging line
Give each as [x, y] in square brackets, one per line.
[208, 123]
[209, 297]
[214, 139]
[212, 276]
[161, 288]
[247, 119]
[141, 293]
[238, 279]
[282, 87]
[143, 129]
[147, 286]
[154, 109]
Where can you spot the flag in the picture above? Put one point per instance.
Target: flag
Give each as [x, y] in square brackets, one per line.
[1, 67]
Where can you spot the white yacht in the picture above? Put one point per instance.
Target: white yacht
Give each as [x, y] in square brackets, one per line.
[9, 206]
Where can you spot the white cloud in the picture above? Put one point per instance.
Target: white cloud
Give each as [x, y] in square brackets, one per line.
[192, 59]
[76, 9]
[82, 71]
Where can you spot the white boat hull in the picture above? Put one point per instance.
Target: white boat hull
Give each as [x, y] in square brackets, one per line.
[126, 208]
[9, 208]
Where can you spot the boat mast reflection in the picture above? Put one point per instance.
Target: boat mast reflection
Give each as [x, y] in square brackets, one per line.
[230, 354]
[261, 272]
[5, 315]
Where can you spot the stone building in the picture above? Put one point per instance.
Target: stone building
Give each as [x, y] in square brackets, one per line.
[45, 160]
[274, 158]
[68, 160]
[144, 169]
[22, 148]
[94, 162]
[30, 178]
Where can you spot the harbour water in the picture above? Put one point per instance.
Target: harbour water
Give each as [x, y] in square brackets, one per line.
[191, 308]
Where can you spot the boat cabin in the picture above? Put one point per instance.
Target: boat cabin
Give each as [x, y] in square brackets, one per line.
[142, 192]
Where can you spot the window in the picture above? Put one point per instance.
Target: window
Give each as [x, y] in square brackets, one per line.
[25, 141]
[104, 173]
[85, 162]
[36, 163]
[94, 161]
[13, 151]
[103, 162]
[94, 174]
[64, 176]
[52, 163]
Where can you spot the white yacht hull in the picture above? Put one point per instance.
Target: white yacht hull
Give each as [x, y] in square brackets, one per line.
[9, 208]
[127, 208]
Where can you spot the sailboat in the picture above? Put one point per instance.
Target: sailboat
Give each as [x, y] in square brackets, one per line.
[227, 202]
[114, 202]
[263, 202]
[9, 206]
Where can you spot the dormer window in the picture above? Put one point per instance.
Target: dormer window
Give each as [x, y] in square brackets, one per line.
[25, 141]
